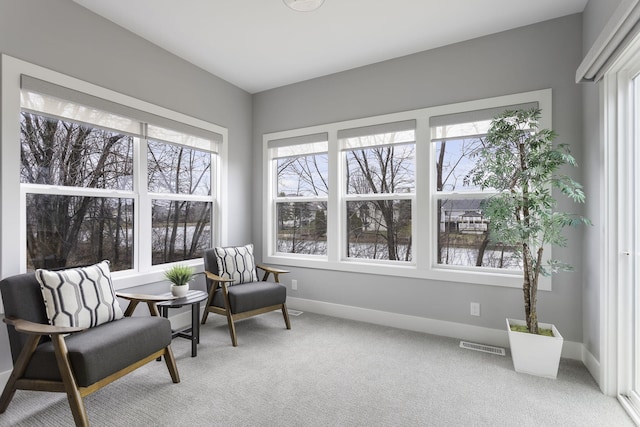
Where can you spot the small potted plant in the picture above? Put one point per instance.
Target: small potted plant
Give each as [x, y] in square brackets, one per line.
[520, 162]
[179, 276]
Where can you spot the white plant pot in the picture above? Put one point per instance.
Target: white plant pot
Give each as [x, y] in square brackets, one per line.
[535, 354]
[179, 291]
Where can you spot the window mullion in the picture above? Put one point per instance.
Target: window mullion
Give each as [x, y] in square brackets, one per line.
[422, 222]
[179, 197]
[378, 196]
[335, 206]
[143, 226]
[75, 191]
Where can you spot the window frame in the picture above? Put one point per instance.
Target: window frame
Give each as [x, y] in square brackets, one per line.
[423, 264]
[147, 199]
[346, 196]
[317, 141]
[13, 261]
[463, 194]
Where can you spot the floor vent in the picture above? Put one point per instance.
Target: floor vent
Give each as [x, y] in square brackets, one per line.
[294, 312]
[482, 347]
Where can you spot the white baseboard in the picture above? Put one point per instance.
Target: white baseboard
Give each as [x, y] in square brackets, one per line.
[593, 366]
[477, 334]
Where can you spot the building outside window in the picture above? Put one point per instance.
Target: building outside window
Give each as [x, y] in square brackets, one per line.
[464, 237]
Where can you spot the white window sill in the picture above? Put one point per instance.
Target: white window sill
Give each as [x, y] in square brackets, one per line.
[448, 273]
[128, 279]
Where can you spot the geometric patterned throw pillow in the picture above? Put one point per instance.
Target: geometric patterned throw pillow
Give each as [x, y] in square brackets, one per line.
[236, 263]
[81, 296]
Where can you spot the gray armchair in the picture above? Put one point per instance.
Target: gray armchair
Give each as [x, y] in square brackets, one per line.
[234, 288]
[47, 359]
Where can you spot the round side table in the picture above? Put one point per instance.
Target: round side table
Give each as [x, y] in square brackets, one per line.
[193, 298]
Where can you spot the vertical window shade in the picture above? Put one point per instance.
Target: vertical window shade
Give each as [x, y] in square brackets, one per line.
[469, 123]
[65, 103]
[382, 134]
[299, 145]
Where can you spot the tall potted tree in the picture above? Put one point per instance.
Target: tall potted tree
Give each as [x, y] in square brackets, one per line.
[521, 162]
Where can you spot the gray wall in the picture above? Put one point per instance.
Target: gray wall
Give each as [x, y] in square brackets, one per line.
[540, 56]
[65, 37]
[595, 17]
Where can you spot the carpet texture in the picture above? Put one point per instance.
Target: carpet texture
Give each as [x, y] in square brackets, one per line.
[331, 372]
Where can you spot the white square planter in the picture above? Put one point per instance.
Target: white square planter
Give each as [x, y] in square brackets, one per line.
[535, 354]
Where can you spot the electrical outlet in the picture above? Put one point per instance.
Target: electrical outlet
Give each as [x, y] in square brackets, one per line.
[475, 309]
[294, 284]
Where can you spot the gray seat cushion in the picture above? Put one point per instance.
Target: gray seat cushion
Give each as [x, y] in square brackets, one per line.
[101, 351]
[251, 296]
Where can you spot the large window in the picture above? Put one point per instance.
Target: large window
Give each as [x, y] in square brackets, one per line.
[464, 236]
[379, 183]
[64, 165]
[390, 194]
[300, 188]
[100, 180]
[181, 225]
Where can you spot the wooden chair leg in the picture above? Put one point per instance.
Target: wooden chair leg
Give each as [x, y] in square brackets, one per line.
[153, 309]
[18, 371]
[68, 379]
[171, 364]
[205, 315]
[232, 330]
[285, 313]
[7, 393]
[131, 308]
[209, 303]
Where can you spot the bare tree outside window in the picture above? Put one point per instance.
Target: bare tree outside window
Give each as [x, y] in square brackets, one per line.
[177, 169]
[369, 235]
[303, 175]
[464, 237]
[302, 225]
[67, 230]
[380, 228]
[181, 229]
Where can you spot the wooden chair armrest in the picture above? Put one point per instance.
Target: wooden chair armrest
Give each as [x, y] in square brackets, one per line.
[144, 297]
[217, 278]
[151, 301]
[32, 328]
[271, 269]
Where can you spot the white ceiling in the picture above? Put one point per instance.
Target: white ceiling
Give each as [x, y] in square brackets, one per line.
[262, 44]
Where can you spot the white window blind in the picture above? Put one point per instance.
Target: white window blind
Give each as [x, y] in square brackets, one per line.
[299, 145]
[383, 134]
[469, 123]
[61, 102]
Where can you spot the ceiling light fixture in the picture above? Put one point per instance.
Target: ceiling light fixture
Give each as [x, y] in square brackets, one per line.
[303, 5]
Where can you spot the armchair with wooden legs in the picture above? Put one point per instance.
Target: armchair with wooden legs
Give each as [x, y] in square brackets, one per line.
[72, 359]
[234, 289]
